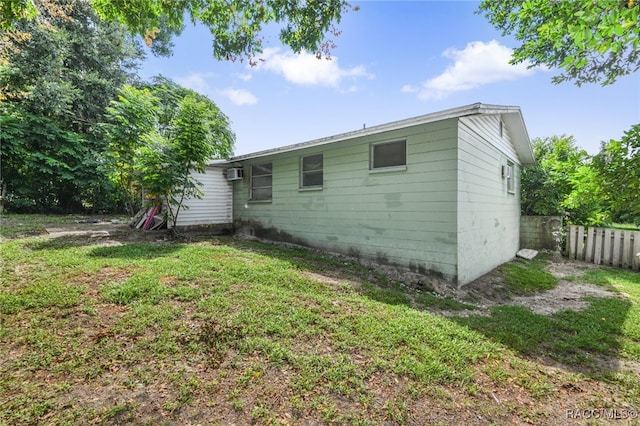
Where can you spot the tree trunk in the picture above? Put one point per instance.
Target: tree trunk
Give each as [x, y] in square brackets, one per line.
[3, 196]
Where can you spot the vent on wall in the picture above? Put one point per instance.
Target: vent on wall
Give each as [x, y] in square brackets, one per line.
[234, 174]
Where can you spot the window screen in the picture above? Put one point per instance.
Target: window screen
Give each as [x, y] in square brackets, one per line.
[389, 154]
[261, 181]
[311, 171]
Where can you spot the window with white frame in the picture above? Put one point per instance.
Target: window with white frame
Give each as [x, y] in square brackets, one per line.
[388, 154]
[311, 171]
[261, 182]
[510, 177]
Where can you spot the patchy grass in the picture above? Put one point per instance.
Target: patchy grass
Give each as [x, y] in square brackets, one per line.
[525, 276]
[219, 331]
[595, 341]
[25, 225]
[442, 303]
[16, 225]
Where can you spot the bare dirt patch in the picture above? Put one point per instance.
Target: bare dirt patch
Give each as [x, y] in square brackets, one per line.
[490, 290]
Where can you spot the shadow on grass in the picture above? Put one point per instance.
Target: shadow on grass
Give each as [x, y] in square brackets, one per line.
[124, 250]
[578, 339]
[587, 341]
[373, 284]
[136, 251]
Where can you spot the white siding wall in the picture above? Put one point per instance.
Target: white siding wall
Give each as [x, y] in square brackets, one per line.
[403, 217]
[215, 207]
[488, 215]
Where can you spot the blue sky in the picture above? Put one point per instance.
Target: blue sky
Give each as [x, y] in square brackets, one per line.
[393, 60]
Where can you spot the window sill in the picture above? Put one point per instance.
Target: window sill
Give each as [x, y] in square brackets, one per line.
[259, 201]
[389, 169]
[310, 189]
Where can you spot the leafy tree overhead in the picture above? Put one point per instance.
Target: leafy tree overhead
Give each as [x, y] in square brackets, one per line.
[171, 133]
[236, 26]
[592, 41]
[12, 10]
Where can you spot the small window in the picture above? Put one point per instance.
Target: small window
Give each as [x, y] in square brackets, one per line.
[510, 177]
[261, 179]
[388, 154]
[311, 171]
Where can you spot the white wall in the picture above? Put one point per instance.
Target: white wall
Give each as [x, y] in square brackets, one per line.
[215, 207]
[488, 214]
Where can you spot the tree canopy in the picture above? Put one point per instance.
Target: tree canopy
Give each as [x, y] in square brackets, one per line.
[57, 76]
[561, 183]
[236, 26]
[592, 41]
[618, 169]
[585, 189]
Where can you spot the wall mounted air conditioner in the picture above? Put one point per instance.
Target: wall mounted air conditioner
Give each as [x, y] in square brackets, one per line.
[235, 174]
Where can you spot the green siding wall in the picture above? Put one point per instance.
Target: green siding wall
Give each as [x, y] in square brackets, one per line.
[405, 217]
[488, 215]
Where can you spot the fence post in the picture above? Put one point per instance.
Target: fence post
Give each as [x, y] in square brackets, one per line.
[617, 245]
[580, 244]
[626, 249]
[588, 256]
[606, 255]
[597, 246]
[635, 253]
[571, 242]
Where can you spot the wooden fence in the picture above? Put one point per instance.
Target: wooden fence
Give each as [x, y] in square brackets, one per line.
[604, 246]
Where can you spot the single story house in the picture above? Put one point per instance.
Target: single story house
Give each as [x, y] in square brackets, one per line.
[437, 194]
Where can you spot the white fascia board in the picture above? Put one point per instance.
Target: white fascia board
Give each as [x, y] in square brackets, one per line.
[219, 163]
[520, 138]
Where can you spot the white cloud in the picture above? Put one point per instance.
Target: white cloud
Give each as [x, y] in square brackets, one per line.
[196, 81]
[239, 96]
[479, 63]
[244, 77]
[306, 70]
[199, 82]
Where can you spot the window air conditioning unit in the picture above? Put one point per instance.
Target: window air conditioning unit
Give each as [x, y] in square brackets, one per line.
[234, 174]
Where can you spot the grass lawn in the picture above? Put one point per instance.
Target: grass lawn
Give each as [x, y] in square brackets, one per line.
[220, 331]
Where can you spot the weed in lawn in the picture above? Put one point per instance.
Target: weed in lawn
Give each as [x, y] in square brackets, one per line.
[397, 410]
[263, 415]
[120, 413]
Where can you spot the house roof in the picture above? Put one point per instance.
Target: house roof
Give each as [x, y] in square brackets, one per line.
[511, 116]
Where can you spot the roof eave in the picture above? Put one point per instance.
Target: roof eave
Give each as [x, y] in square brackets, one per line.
[512, 115]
